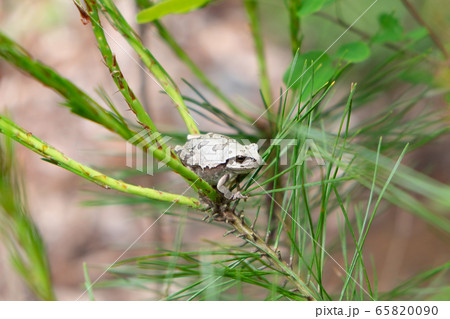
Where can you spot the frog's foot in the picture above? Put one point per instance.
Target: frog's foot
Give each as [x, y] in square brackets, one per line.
[238, 195]
[221, 187]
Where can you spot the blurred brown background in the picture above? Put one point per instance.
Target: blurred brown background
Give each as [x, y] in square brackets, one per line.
[218, 39]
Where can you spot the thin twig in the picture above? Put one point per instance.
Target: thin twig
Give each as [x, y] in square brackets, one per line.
[354, 29]
[195, 69]
[251, 7]
[367, 36]
[252, 237]
[432, 34]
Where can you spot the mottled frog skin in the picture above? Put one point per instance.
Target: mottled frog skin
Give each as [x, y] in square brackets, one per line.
[219, 160]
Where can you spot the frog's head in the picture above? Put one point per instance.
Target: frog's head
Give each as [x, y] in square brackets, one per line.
[245, 160]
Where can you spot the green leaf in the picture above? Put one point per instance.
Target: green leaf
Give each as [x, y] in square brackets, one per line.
[308, 7]
[390, 29]
[354, 52]
[164, 8]
[87, 283]
[305, 69]
[447, 97]
[417, 34]
[389, 22]
[417, 76]
[441, 294]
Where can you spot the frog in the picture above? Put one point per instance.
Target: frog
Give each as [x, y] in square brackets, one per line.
[219, 160]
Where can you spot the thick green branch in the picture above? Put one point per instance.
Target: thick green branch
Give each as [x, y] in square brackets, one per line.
[83, 105]
[161, 76]
[15, 132]
[77, 100]
[116, 74]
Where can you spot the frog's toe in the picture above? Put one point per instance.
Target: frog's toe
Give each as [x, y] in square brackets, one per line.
[238, 195]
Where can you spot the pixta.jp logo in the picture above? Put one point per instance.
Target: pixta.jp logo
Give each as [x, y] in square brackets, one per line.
[139, 151]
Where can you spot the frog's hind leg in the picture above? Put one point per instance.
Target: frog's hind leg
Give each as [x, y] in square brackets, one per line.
[221, 186]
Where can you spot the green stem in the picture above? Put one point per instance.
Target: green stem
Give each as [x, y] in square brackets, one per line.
[52, 155]
[116, 74]
[251, 236]
[178, 50]
[77, 100]
[294, 25]
[161, 76]
[252, 7]
[83, 105]
[18, 233]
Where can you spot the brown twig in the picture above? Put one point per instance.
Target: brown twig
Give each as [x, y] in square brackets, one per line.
[353, 29]
[422, 22]
[367, 36]
[247, 233]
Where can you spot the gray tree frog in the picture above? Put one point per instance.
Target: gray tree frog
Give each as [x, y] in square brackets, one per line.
[219, 160]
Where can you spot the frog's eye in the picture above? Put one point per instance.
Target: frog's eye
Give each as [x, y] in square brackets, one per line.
[240, 159]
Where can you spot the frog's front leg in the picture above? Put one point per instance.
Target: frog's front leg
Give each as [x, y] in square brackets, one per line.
[221, 186]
